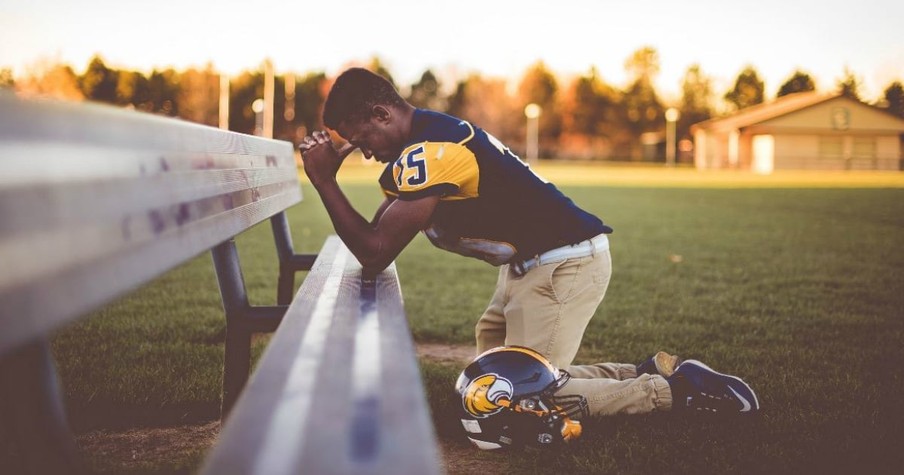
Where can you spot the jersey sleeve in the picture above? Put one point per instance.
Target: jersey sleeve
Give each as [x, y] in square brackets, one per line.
[446, 169]
[387, 183]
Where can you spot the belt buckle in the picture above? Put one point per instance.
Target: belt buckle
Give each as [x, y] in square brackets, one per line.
[518, 267]
[522, 267]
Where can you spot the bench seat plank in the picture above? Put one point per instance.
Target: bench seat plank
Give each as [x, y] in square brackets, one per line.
[338, 389]
[95, 201]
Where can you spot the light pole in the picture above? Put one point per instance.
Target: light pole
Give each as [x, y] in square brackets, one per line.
[269, 92]
[532, 112]
[224, 101]
[289, 107]
[671, 117]
[258, 108]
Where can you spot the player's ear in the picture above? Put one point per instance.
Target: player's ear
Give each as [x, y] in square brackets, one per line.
[381, 113]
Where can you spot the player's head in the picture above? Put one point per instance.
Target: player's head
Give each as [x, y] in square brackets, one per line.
[355, 93]
[367, 111]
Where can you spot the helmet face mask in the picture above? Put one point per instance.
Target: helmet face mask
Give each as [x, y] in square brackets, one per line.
[508, 400]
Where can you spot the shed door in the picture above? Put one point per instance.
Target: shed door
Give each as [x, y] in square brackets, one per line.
[763, 154]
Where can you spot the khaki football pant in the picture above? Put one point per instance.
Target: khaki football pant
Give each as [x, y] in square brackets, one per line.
[548, 309]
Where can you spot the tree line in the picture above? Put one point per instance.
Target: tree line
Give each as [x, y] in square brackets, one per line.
[583, 117]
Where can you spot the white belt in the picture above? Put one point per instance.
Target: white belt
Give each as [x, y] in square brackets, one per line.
[586, 248]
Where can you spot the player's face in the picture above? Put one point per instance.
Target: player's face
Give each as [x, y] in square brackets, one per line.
[374, 137]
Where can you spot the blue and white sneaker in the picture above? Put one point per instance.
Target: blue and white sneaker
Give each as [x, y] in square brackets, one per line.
[697, 387]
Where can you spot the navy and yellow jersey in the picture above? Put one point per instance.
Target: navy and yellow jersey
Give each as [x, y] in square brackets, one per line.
[492, 206]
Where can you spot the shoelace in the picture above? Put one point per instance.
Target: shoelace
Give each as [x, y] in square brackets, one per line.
[706, 402]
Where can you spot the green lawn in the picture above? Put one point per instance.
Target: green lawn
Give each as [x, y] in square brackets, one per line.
[795, 284]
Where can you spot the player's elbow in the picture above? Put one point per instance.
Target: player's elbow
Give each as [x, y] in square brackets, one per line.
[374, 265]
[374, 258]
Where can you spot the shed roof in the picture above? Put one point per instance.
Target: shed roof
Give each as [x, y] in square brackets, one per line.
[786, 105]
[765, 111]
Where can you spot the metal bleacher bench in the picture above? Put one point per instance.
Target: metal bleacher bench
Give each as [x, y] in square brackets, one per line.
[96, 201]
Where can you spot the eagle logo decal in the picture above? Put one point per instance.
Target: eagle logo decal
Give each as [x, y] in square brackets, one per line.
[484, 396]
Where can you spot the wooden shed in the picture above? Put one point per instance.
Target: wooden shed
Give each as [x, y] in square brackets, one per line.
[803, 131]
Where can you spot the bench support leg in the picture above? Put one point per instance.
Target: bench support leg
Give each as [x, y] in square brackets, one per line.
[33, 414]
[242, 319]
[237, 365]
[289, 262]
[237, 362]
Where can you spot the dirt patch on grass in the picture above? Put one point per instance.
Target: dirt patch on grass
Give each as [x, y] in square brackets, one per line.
[120, 451]
[146, 447]
[135, 449]
[464, 459]
[460, 458]
[459, 355]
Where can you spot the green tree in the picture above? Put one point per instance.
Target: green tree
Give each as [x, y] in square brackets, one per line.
[585, 104]
[284, 128]
[426, 92]
[6, 78]
[696, 100]
[457, 101]
[133, 88]
[163, 91]
[485, 102]
[198, 95]
[539, 86]
[377, 66]
[99, 82]
[894, 98]
[591, 118]
[747, 91]
[643, 109]
[849, 85]
[243, 91]
[310, 94]
[643, 64]
[798, 82]
[592, 107]
[51, 80]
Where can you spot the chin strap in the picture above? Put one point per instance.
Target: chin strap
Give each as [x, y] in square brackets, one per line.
[574, 406]
[565, 408]
[569, 408]
[571, 430]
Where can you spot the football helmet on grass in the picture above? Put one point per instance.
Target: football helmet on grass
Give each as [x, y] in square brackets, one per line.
[508, 400]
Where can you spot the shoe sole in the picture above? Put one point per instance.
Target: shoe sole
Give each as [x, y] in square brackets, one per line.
[734, 383]
[665, 364]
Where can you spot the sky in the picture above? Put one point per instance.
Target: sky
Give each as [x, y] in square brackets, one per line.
[499, 38]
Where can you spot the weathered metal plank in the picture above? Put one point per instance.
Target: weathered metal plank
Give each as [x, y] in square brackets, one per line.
[338, 389]
[95, 201]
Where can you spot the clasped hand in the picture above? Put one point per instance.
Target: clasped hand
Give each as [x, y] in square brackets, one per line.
[321, 160]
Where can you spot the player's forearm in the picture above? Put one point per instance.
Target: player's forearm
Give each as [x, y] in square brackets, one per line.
[357, 233]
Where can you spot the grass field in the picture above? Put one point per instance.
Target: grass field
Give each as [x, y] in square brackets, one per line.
[793, 281]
